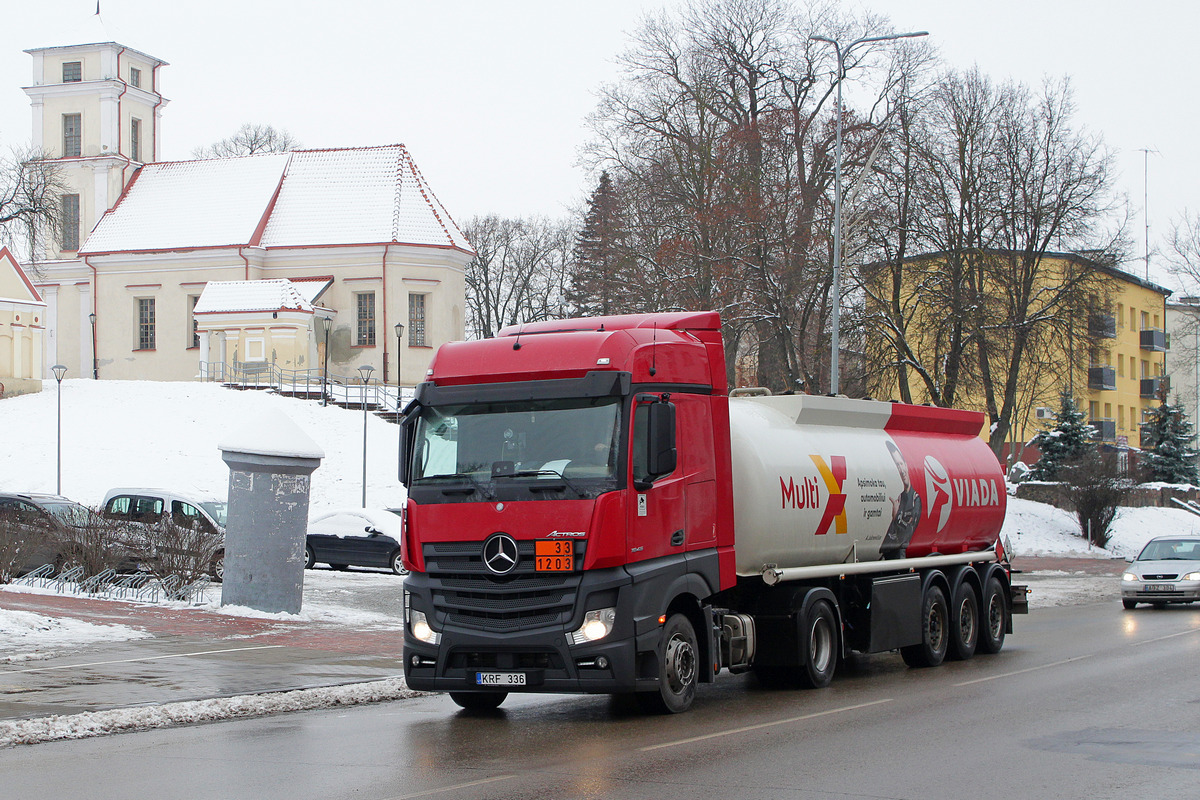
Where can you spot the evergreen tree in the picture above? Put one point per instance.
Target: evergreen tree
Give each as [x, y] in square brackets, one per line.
[1069, 439]
[597, 280]
[1167, 445]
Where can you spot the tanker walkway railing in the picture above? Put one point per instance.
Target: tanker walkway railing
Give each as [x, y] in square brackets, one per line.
[346, 391]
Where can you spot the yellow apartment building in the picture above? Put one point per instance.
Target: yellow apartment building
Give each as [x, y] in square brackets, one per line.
[1110, 354]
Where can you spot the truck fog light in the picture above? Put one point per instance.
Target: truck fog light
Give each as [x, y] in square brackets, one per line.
[419, 627]
[596, 625]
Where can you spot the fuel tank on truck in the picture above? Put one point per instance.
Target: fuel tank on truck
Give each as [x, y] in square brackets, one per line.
[827, 480]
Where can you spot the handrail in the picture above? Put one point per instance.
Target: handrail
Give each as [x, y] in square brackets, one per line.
[343, 390]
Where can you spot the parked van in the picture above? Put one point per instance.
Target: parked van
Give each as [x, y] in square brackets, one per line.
[152, 506]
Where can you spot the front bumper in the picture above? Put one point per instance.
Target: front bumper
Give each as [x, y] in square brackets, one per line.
[1161, 591]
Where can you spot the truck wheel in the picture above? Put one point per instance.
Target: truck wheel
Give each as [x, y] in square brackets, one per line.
[964, 623]
[478, 701]
[818, 646]
[995, 617]
[935, 630]
[678, 668]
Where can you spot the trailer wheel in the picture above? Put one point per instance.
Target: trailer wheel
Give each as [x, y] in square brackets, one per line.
[678, 668]
[964, 622]
[478, 701]
[995, 617]
[818, 646]
[935, 631]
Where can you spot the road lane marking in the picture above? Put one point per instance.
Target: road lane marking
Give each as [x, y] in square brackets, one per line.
[454, 788]
[1168, 636]
[133, 660]
[761, 725]
[1023, 671]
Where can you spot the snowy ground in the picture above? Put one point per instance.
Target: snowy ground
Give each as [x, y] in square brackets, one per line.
[166, 435]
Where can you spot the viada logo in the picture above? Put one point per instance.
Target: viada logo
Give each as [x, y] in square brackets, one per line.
[937, 491]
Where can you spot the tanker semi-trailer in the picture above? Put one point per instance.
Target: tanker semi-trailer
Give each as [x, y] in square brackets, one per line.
[590, 510]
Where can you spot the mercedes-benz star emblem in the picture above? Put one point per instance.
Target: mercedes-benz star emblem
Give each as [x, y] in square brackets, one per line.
[500, 553]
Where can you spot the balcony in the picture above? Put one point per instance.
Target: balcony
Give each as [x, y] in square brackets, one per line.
[1106, 429]
[1102, 378]
[1151, 387]
[1154, 340]
[1102, 325]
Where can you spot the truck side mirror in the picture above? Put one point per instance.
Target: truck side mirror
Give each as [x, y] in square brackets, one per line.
[660, 431]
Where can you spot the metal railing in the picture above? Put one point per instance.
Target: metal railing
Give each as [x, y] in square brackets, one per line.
[137, 586]
[342, 390]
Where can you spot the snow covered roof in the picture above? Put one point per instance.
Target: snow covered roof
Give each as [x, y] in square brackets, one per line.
[363, 195]
[275, 295]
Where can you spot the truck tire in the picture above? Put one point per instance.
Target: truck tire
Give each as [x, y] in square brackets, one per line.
[818, 646]
[678, 669]
[478, 701]
[994, 618]
[964, 622]
[935, 631]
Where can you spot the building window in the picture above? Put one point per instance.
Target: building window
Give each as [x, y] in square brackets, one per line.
[72, 135]
[145, 323]
[70, 222]
[416, 320]
[135, 139]
[72, 71]
[135, 77]
[192, 300]
[365, 324]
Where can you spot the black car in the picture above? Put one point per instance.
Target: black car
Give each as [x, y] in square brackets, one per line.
[37, 529]
[360, 537]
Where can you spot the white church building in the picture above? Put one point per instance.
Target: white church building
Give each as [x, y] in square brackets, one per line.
[285, 240]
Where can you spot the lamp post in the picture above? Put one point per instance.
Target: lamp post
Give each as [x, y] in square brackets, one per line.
[59, 371]
[326, 324]
[399, 345]
[365, 371]
[834, 381]
[95, 361]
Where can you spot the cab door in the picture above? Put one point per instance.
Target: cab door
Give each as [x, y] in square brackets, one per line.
[657, 514]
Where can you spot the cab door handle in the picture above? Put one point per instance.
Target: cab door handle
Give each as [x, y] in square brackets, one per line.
[677, 538]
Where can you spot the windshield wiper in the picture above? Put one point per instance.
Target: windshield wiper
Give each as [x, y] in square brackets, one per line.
[549, 487]
[475, 485]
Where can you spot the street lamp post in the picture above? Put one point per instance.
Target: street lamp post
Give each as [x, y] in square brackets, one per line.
[326, 324]
[399, 345]
[365, 371]
[834, 381]
[59, 371]
[95, 360]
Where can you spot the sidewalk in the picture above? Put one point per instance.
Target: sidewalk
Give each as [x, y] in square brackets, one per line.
[193, 654]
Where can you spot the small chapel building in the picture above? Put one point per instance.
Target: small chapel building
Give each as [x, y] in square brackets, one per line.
[353, 235]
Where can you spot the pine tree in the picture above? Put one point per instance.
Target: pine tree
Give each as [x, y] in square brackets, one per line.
[1069, 438]
[597, 281]
[1167, 445]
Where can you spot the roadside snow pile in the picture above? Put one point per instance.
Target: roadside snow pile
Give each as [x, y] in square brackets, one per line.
[34, 636]
[102, 723]
[1037, 529]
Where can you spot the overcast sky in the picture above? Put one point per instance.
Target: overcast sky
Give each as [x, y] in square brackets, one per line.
[491, 95]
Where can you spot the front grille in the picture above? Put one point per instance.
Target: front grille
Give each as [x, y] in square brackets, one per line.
[472, 596]
[1161, 577]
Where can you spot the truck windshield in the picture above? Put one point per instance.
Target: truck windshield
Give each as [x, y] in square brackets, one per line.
[572, 438]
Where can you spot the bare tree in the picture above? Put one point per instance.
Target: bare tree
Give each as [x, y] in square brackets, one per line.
[520, 272]
[31, 206]
[248, 140]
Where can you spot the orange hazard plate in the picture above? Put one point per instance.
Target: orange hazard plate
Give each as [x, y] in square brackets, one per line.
[553, 555]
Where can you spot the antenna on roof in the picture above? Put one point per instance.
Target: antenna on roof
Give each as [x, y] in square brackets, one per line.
[517, 343]
[654, 351]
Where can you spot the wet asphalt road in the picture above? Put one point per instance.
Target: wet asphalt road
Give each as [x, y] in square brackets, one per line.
[1085, 701]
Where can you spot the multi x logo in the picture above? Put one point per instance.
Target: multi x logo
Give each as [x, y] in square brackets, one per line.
[834, 475]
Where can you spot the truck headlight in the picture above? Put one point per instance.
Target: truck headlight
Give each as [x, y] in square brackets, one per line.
[419, 627]
[596, 625]
[1129, 576]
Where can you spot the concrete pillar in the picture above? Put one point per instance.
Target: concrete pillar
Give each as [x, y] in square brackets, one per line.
[270, 461]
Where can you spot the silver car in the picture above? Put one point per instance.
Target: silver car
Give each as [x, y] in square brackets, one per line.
[1166, 571]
